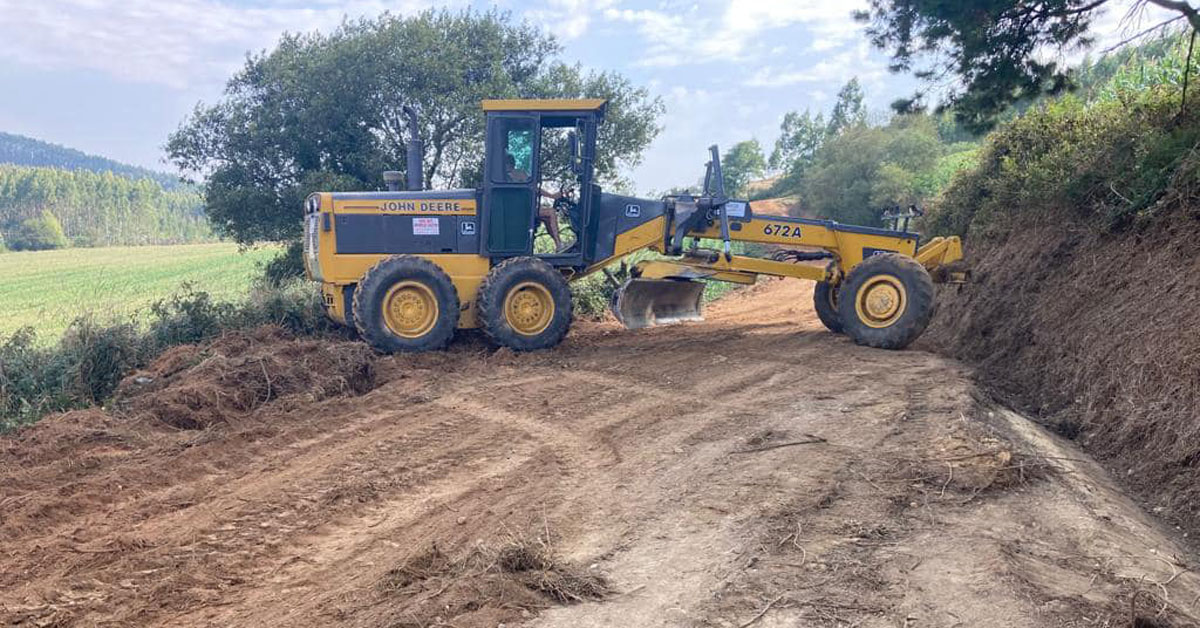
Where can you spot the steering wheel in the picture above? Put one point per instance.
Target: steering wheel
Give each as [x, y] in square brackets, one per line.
[567, 203]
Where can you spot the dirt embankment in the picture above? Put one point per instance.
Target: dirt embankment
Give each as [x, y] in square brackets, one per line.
[753, 469]
[1096, 335]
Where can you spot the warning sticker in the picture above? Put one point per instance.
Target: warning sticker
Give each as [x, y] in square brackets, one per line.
[425, 226]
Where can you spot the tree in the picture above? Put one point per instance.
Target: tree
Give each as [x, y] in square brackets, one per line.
[994, 49]
[324, 112]
[38, 233]
[102, 208]
[849, 109]
[864, 169]
[800, 136]
[740, 165]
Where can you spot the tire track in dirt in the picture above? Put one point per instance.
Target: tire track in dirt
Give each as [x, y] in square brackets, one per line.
[664, 459]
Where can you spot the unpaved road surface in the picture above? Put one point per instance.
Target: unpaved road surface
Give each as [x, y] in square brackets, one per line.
[753, 469]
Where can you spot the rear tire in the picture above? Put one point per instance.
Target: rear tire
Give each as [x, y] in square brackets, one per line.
[825, 303]
[525, 305]
[886, 301]
[405, 303]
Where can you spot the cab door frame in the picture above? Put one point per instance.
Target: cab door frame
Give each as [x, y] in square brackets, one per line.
[502, 197]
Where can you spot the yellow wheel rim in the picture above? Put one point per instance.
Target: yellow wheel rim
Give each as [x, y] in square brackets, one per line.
[529, 308]
[881, 301]
[410, 309]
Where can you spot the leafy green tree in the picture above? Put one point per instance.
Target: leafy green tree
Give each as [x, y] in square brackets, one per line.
[324, 112]
[992, 47]
[38, 233]
[865, 169]
[740, 165]
[849, 110]
[800, 136]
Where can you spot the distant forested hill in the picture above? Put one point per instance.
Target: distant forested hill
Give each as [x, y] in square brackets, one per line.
[26, 151]
[52, 196]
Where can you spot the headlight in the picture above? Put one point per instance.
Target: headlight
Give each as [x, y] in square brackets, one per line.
[312, 245]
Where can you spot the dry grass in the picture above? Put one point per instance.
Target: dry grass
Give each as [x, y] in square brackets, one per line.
[501, 581]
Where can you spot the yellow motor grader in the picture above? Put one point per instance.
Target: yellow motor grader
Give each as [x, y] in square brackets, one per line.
[409, 268]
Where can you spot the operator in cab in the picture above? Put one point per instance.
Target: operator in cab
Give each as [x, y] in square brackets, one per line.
[546, 214]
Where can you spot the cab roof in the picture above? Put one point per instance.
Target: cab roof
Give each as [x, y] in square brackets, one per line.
[561, 104]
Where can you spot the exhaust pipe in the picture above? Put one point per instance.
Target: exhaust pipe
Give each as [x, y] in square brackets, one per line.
[392, 179]
[415, 151]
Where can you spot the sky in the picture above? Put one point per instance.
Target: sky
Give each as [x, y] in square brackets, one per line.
[115, 77]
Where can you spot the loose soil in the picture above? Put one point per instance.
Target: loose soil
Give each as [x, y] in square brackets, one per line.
[751, 470]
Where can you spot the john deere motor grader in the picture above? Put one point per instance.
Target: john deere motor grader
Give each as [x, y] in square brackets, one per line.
[409, 268]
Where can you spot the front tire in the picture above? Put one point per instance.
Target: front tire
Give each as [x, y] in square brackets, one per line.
[525, 305]
[886, 301]
[825, 298]
[406, 303]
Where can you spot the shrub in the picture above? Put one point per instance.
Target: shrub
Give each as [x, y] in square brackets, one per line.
[30, 381]
[293, 305]
[38, 233]
[187, 316]
[591, 295]
[286, 266]
[95, 357]
[1106, 163]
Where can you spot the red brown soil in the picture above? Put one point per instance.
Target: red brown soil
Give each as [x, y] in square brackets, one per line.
[783, 206]
[753, 469]
[1095, 335]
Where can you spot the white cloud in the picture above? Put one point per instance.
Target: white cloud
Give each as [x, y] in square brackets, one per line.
[170, 42]
[822, 44]
[831, 70]
[568, 19]
[683, 37]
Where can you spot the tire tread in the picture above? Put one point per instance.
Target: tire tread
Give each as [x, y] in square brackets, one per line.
[920, 295]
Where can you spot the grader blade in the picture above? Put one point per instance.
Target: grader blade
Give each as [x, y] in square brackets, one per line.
[642, 303]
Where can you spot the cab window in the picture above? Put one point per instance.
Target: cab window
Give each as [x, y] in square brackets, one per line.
[515, 139]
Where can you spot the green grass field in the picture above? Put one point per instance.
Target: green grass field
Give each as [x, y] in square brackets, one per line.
[48, 289]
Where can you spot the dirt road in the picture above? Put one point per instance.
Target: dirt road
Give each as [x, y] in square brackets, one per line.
[749, 470]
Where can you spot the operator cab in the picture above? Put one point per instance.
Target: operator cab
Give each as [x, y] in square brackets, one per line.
[538, 175]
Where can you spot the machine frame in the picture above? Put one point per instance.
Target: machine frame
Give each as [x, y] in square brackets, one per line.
[468, 235]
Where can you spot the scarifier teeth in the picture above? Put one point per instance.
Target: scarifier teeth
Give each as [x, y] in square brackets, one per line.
[642, 303]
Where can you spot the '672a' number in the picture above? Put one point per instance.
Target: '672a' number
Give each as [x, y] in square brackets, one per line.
[786, 231]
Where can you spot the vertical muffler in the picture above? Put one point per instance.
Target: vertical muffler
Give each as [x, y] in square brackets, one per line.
[415, 151]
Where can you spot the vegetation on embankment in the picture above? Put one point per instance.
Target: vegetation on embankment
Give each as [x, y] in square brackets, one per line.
[1083, 226]
[97, 350]
[74, 322]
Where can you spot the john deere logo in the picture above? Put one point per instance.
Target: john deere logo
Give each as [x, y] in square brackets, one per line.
[633, 211]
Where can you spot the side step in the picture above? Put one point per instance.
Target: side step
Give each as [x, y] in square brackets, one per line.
[640, 303]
